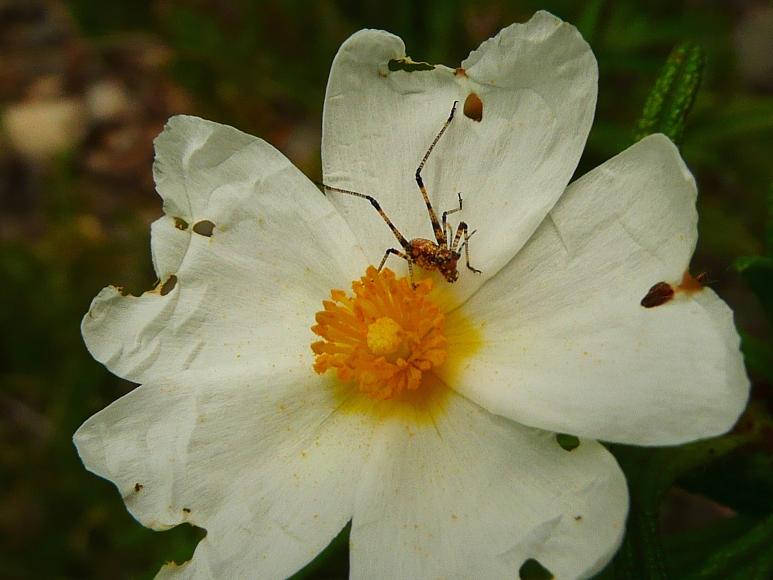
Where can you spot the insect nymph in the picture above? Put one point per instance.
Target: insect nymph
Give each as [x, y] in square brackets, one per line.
[443, 253]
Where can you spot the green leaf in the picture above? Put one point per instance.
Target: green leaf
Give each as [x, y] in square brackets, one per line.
[758, 355]
[688, 550]
[769, 224]
[673, 95]
[757, 271]
[742, 481]
[650, 473]
[589, 18]
[739, 559]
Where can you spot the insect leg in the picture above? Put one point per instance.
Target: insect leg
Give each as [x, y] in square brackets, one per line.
[400, 237]
[402, 255]
[440, 234]
[462, 231]
[446, 228]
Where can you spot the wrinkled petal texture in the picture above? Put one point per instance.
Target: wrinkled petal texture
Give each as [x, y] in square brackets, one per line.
[244, 289]
[567, 345]
[474, 496]
[262, 462]
[537, 82]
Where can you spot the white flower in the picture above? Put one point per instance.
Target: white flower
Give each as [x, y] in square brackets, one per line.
[234, 431]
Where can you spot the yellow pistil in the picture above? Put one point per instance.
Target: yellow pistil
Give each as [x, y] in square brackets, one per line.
[384, 338]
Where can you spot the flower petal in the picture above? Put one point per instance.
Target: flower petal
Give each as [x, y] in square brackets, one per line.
[261, 461]
[567, 345]
[475, 495]
[537, 84]
[247, 249]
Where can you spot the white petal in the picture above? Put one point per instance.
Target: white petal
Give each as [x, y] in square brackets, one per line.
[262, 462]
[251, 287]
[566, 344]
[537, 82]
[475, 495]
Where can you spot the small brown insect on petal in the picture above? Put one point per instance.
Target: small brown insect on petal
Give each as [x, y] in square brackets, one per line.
[169, 285]
[180, 224]
[187, 510]
[659, 294]
[204, 228]
[473, 107]
[138, 487]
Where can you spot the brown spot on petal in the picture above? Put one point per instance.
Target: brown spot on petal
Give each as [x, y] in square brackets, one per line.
[138, 487]
[473, 107]
[659, 294]
[460, 72]
[690, 283]
[180, 224]
[168, 286]
[187, 510]
[204, 228]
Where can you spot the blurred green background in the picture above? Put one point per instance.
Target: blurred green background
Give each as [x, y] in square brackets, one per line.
[85, 85]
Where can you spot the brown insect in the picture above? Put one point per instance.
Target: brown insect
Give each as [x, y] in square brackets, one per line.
[443, 253]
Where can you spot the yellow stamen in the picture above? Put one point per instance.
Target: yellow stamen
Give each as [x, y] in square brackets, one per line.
[384, 338]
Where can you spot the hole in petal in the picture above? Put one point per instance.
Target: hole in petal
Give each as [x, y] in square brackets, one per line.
[185, 537]
[408, 65]
[169, 285]
[473, 107]
[204, 228]
[531, 569]
[567, 442]
[180, 224]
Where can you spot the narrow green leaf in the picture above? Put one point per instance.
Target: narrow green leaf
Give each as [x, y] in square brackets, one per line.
[689, 549]
[757, 271]
[769, 224]
[673, 95]
[588, 20]
[739, 554]
[758, 355]
[650, 473]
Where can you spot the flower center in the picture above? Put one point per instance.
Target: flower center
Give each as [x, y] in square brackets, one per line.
[384, 338]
